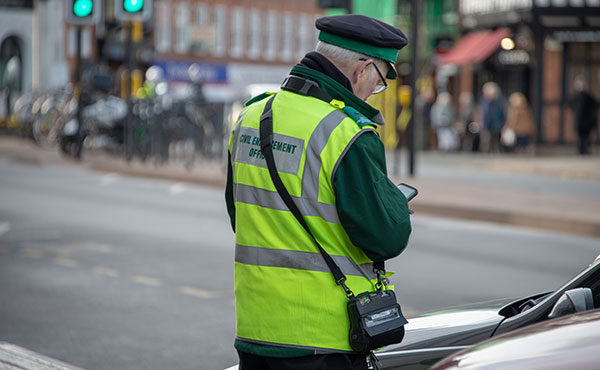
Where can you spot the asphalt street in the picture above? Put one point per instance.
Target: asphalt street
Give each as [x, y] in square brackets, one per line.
[105, 271]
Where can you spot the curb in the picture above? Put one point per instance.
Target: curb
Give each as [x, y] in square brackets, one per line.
[523, 219]
[215, 176]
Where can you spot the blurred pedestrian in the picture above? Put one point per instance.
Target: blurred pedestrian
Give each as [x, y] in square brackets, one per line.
[291, 313]
[519, 127]
[585, 114]
[423, 103]
[442, 119]
[493, 115]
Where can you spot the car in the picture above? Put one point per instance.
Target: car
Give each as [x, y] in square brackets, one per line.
[432, 336]
[568, 342]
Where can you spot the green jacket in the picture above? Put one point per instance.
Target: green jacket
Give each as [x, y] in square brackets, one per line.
[372, 211]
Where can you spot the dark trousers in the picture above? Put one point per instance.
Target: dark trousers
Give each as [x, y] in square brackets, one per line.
[583, 144]
[317, 362]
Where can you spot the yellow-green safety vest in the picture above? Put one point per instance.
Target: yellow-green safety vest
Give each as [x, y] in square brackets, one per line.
[285, 293]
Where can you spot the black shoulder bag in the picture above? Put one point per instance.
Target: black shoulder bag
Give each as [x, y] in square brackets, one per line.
[376, 319]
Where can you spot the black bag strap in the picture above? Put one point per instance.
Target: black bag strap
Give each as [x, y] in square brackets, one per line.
[266, 139]
[305, 86]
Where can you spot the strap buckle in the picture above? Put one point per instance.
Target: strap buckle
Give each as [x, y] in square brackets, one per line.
[381, 280]
[342, 282]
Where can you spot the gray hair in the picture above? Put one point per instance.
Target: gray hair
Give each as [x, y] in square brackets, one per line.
[345, 58]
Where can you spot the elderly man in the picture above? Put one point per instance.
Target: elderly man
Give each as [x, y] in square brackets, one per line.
[290, 313]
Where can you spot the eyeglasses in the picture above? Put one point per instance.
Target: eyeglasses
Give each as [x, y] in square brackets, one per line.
[381, 85]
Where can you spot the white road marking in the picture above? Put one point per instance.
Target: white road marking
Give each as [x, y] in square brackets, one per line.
[105, 271]
[108, 179]
[66, 262]
[145, 280]
[4, 228]
[85, 246]
[32, 253]
[201, 293]
[176, 188]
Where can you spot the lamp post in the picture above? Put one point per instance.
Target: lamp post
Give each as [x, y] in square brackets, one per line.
[415, 14]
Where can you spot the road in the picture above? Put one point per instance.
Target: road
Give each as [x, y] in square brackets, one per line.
[104, 271]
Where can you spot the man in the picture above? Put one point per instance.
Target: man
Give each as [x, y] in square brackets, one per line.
[290, 313]
[585, 112]
[492, 113]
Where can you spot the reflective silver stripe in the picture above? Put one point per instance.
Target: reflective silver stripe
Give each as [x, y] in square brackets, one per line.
[316, 144]
[237, 128]
[271, 199]
[310, 261]
[339, 160]
[318, 350]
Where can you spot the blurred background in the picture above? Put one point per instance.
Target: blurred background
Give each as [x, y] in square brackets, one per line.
[115, 247]
[184, 68]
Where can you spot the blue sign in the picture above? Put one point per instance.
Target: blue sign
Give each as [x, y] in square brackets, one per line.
[193, 72]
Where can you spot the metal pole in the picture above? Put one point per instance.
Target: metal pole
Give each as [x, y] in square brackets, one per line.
[563, 93]
[413, 85]
[539, 84]
[78, 72]
[129, 55]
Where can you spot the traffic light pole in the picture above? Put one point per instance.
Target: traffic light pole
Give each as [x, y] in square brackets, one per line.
[413, 84]
[129, 55]
[79, 89]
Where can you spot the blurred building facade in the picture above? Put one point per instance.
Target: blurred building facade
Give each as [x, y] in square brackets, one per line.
[535, 47]
[32, 42]
[232, 44]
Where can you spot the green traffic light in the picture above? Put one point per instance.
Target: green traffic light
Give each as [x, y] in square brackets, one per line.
[83, 8]
[133, 6]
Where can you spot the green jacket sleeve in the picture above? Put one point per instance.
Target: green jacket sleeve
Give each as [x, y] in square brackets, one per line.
[229, 193]
[371, 209]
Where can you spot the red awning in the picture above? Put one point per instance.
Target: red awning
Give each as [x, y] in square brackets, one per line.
[475, 47]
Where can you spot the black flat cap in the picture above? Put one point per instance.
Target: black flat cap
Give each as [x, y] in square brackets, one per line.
[364, 35]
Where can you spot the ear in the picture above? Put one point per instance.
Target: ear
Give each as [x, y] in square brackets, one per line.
[360, 68]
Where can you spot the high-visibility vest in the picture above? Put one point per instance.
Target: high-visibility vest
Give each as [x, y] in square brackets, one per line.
[285, 293]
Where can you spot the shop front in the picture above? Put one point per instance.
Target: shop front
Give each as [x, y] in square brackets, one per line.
[536, 47]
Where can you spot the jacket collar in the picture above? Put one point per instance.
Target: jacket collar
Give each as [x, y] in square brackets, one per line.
[338, 91]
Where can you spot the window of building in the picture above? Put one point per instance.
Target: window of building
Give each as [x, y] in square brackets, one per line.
[255, 34]
[202, 14]
[237, 32]
[220, 21]
[182, 19]
[272, 35]
[202, 32]
[304, 36]
[86, 44]
[288, 37]
[163, 27]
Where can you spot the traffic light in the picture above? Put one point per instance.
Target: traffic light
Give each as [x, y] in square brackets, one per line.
[133, 10]
[82, 12]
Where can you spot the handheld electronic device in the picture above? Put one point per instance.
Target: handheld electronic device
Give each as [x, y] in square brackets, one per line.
[408, 191]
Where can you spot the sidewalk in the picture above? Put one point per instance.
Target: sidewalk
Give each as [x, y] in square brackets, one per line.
[559, 193]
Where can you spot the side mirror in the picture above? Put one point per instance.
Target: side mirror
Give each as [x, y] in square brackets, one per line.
[572, 301]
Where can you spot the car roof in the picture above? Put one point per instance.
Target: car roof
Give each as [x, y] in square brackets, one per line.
[571, 341]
